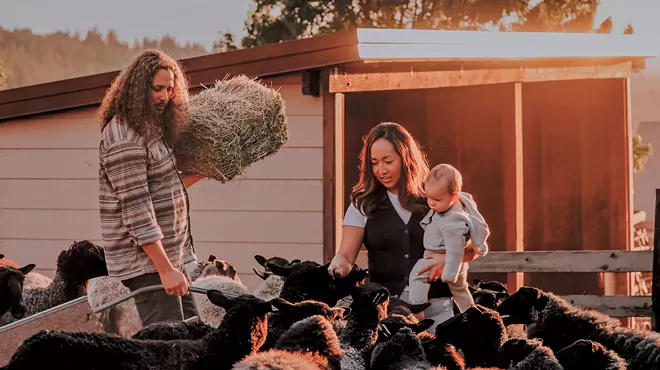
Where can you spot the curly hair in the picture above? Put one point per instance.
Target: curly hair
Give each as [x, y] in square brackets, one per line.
[369, 194]
[129, 98]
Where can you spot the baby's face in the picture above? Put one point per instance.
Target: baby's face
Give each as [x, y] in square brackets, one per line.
[438, 198]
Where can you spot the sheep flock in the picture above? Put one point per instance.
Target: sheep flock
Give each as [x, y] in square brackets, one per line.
[300, 318]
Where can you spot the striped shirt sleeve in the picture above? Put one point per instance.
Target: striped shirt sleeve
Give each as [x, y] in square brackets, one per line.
[125, 164]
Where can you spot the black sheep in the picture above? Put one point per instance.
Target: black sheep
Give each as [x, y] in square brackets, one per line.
[241, 333]
[309, 280]
[560, 324]
[529, 354]
[289, 313]
[11, 290]
[478, 332]
[310, 344]
[75, 266]
[403, 351]
[438, 354]
[589, 355]
[263, 261]
[173, 330]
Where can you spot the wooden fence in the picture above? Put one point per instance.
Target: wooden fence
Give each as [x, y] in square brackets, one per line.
[591, 261]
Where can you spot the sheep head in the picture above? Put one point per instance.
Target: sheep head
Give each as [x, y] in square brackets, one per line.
[261, 260]
[404, 344]
[391, 325]
[83, 260]
[401, 307]
[459, 330]
[516, 349]
[11, 290]
[522, 307]
[309, 308]
[315, 335]
[493, 285]
[370, 296]
[310, 280]
[488, 298]
[584, 351]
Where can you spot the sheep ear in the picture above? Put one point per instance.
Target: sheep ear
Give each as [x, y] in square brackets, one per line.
[262, 274]
[27, 268]
[341, 311]
[217, 298]
[417, 308]
[282, 304]
[423, 325]
[2, 256]
[380, 296]
[211, 258]
[283, 271]
[294, 261]
[260, 259]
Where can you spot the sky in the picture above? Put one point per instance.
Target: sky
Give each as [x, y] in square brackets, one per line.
[202, 20]
[189, 20]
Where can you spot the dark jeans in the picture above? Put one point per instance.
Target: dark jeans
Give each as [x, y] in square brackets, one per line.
[158, 306]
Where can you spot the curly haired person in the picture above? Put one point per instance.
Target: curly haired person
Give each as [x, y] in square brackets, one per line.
[143, 201]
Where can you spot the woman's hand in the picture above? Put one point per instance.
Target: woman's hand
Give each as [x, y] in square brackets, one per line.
[435, 268]
[339, 266]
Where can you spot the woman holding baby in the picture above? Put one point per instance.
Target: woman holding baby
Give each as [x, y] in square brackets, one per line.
[388, 205]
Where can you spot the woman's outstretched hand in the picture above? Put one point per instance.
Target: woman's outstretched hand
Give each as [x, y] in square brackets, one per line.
[339, 267]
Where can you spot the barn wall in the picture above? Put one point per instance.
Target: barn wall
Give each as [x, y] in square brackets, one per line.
[576, 174]
[49, 189]
[462, 126]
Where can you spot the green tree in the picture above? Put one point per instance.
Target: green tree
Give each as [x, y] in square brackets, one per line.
[641, 153]
[3, 75]
[224, 44]
[281, 20]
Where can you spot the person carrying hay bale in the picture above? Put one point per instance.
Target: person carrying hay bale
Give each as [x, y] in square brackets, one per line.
[233, 124]
[143, 201]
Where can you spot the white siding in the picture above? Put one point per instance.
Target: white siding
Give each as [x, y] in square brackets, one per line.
[48, 191]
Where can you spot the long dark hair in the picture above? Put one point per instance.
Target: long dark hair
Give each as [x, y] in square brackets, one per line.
[129, 98]
[368, 194]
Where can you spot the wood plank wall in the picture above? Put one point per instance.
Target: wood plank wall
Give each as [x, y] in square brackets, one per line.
[49, 191]
[574, 168]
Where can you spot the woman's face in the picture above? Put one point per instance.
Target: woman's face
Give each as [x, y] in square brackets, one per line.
[385, 163]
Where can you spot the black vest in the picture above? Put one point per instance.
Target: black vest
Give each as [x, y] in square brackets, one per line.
[393, 248]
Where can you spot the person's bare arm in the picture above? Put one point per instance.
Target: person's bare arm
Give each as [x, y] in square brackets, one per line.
[351, 241]
[173, 280]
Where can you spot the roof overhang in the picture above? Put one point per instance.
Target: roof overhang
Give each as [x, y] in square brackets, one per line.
[409, 59]
[388, 45]
[379, 59]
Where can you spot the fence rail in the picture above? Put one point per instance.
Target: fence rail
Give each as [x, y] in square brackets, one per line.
[591, 261]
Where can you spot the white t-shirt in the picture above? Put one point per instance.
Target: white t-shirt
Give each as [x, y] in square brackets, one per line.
[353, 217]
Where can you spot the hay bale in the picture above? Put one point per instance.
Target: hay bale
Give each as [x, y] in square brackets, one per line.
[233, 124]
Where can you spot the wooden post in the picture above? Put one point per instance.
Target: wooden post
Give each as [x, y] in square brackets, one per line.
[655, 290]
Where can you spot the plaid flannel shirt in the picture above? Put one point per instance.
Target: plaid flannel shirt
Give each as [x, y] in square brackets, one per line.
[142, 199]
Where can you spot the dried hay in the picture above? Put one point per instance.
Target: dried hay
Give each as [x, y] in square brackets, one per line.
[233, 124]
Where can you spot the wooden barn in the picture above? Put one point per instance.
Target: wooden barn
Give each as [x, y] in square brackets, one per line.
[537, 123]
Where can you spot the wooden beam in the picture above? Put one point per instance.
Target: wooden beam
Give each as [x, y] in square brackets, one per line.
[361, 81]
[329, 194]
[515, 231]
[615, 306]
[655, 289]
[339, 168]
[564, 261]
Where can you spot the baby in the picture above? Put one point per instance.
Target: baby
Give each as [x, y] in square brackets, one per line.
[452, 221]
